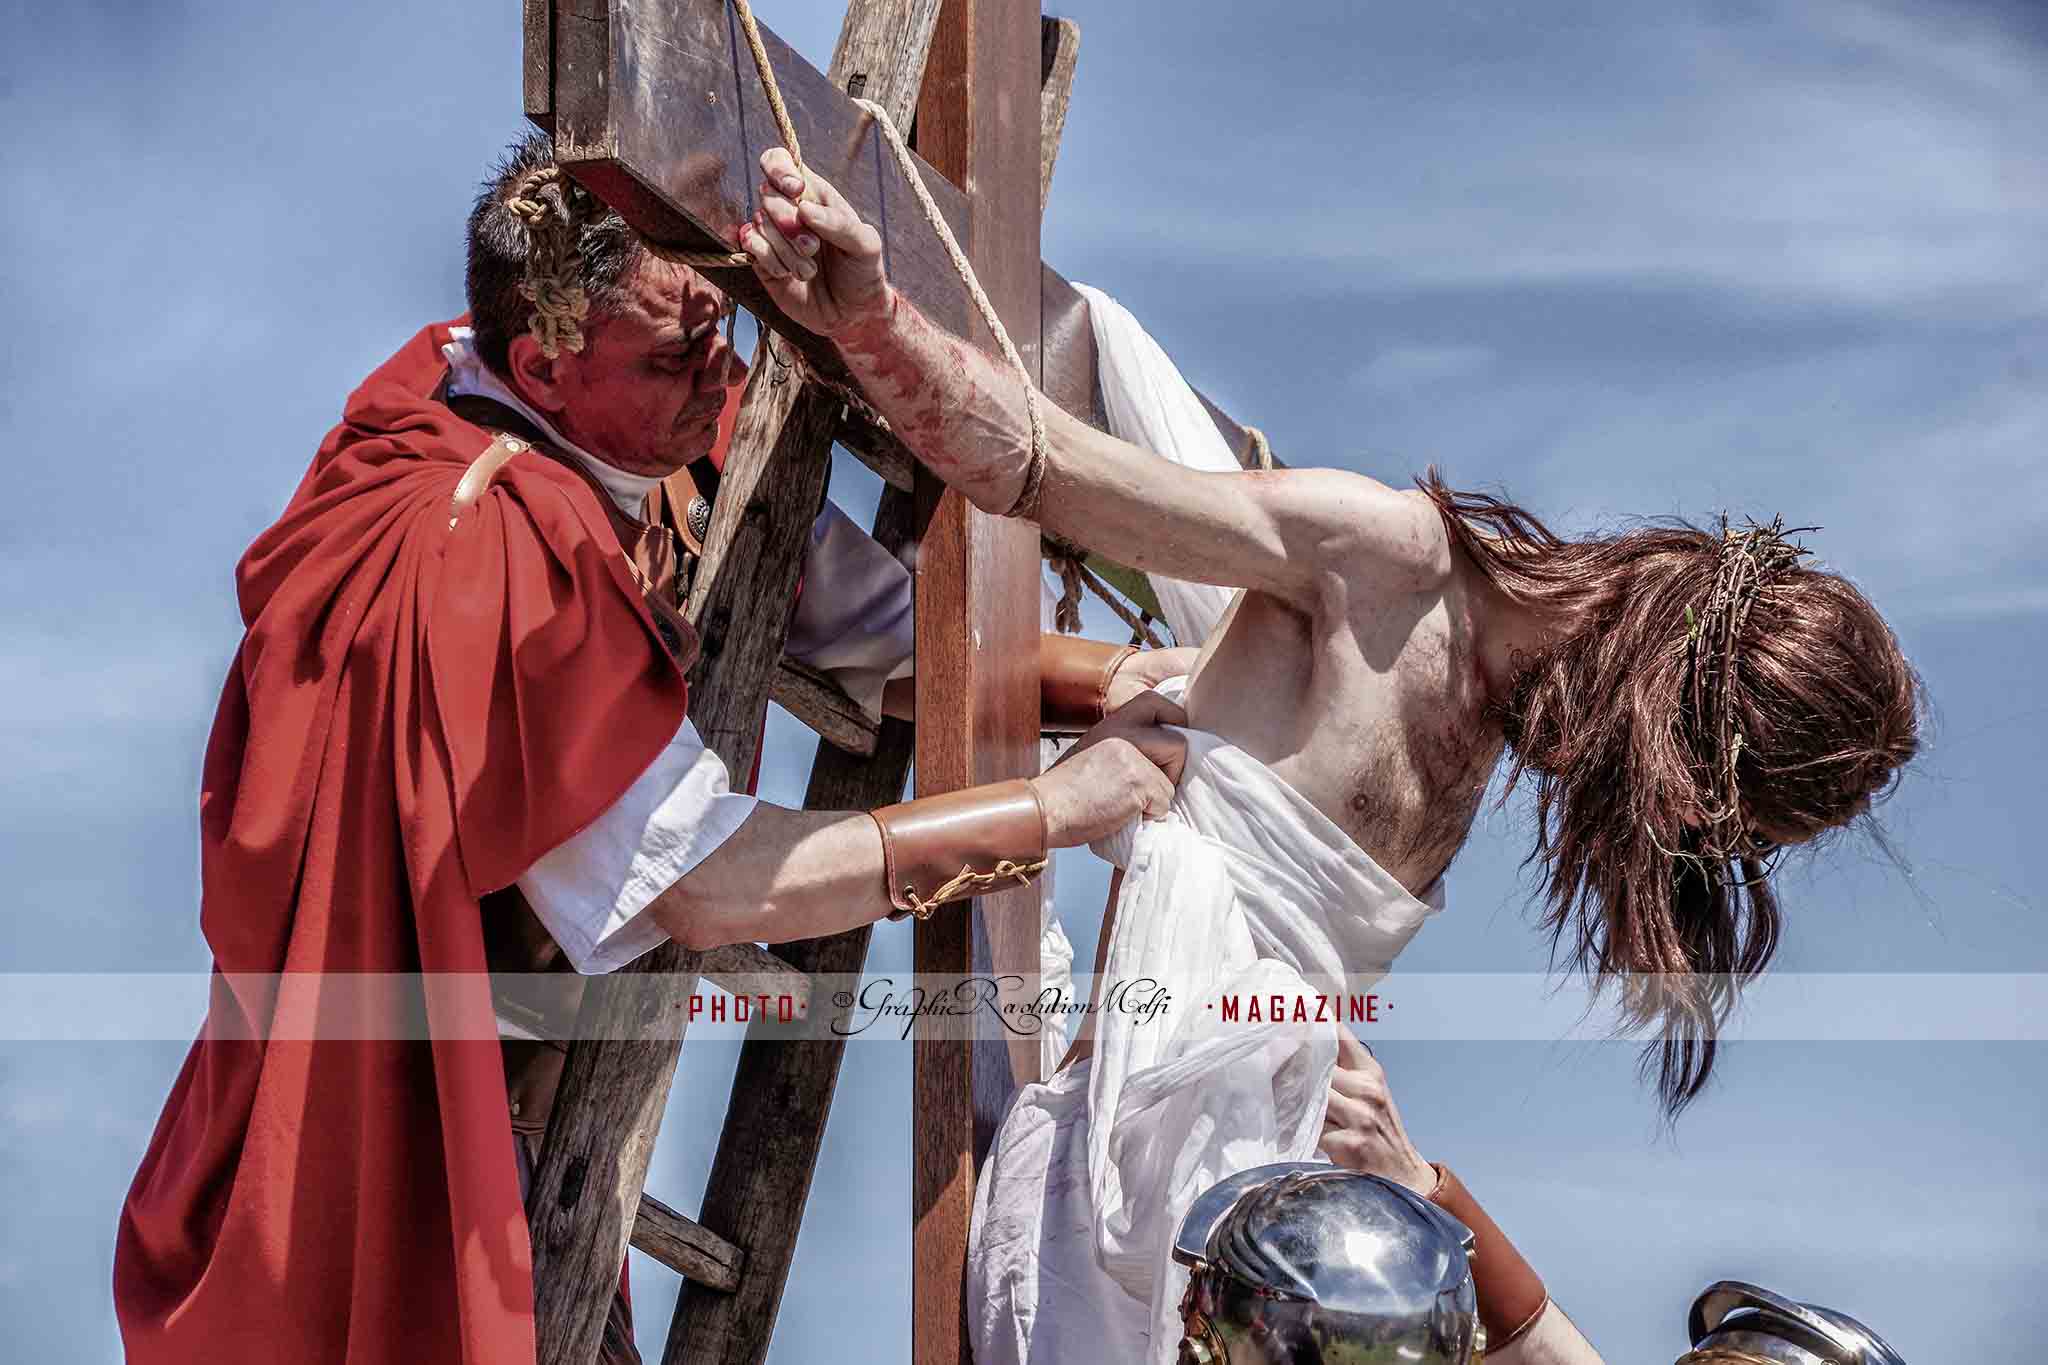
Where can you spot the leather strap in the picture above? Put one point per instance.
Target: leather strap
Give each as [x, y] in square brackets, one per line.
[481, 471]
[659, 556]
[944, 848]
[1073, 681]
[676, 496]
[1511, 1296]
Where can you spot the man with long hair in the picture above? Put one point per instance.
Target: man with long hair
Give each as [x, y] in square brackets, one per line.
[1686, 702]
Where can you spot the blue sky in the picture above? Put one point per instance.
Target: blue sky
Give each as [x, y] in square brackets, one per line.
[1620, 259]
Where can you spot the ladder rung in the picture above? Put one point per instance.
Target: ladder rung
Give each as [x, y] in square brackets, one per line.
[877, 448]
[818, 702]
[686, 1246]
[749, 969]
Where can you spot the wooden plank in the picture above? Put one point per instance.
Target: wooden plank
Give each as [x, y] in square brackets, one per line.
[977, 624]
[687, 1247]
[782, 1091]
[1059, 50]
[632, 77]
[881, 54]
[537, 60]
[615, 1085]
[1069, 375]
[878, 449]
[748, 969]
[659, 112]
[822, 705]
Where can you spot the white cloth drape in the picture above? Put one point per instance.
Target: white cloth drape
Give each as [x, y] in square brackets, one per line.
[1244, 890]
[1152, 407]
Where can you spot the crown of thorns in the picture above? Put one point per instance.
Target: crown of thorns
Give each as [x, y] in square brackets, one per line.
[1751, 559]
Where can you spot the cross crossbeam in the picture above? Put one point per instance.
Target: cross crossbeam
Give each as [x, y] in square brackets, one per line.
[656, 108]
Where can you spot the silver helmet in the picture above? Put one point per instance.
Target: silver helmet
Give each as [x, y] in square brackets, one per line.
[1744, 1325]
[1302, 1261]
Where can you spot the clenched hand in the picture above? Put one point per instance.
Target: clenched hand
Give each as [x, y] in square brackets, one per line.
[1126, 766]
[818, 260]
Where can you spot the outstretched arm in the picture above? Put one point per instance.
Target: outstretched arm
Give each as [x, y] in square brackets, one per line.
[1289, 533]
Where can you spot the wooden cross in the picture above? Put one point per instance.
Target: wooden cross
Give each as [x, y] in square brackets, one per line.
[656, 108]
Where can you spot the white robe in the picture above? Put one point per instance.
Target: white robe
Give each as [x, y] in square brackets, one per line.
[1243, 890]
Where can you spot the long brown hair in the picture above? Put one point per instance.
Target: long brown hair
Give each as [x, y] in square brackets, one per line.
[1639, 888]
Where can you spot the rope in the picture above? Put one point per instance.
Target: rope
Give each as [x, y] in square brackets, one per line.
[783, 126]
[1075, 577]
[553, 284]
[1260, 450]
[1005, 870]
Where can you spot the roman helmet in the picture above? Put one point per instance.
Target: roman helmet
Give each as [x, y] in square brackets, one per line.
[1734, 1323]
[1303, 1261]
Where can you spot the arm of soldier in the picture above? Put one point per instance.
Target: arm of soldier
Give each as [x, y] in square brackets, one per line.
[791, 874]
[783, 875]
[1111, 675]
[1287, 532]
[1362, 1131]
[1554, 1340]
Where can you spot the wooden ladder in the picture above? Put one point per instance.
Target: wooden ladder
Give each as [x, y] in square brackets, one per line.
[587, 1200]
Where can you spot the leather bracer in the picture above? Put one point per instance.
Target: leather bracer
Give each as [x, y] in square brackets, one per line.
[1511, 1296]
[1073, 681]
[944, 848]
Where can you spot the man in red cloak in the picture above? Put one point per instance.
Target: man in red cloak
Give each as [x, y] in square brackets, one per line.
[455, 737]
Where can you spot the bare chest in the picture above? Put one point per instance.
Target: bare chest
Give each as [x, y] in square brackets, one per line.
[1382, 725]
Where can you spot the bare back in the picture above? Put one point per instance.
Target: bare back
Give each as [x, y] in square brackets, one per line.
[1377, 714]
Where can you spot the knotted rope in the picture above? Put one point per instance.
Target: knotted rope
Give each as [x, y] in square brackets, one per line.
[554, 273]
[967, 877]
[554, 279]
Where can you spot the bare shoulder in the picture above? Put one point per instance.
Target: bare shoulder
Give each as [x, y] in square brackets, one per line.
[1392, 536]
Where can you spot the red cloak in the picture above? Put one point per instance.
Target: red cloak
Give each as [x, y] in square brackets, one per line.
[416, 714]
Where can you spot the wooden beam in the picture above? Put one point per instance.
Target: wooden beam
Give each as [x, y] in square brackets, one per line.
[782, 1090]
[1059, 50]
[822, 705]
[881, 53]
[659, 112]
[686, 1246]
[537, 60]
[977, 628]
[748, 969]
